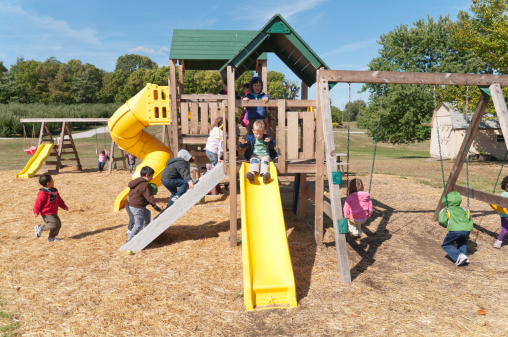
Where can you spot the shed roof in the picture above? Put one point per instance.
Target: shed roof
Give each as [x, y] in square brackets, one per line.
[202, 49]
[459, 120]
[279, 37]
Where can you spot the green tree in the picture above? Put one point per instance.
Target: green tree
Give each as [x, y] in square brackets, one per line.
[9, 89]
[133, 62]
[336, 114]
[46, 73]
[352, 109]
[279, 87]
[426, 47]
[201, 82]
[485, 32]
[87, 84]
[2, 68]
[61, 87]
[26, 78]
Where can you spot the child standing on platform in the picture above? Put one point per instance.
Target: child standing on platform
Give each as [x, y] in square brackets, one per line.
[256, 113]
[47, 203]
[215, 145]
[139, 198]
[357, 207]
[260, 149]
[504, 217]
[459, 223]
[103, 156]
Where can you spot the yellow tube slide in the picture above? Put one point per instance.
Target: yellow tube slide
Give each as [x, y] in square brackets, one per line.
[150, 106]
[267, 271]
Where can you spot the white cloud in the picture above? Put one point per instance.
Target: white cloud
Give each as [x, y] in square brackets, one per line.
[160, 51]
[263, 10]
[347, 48]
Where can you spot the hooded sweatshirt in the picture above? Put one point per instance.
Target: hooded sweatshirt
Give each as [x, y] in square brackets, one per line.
[48, 201]
[358, 206]
[139, 194]
[456, 219]
[176, 168]
[260, 111]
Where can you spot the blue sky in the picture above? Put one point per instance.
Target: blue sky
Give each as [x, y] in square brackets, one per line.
[342, 33]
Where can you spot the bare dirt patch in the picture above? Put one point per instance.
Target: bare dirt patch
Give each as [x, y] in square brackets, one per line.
[189, 282]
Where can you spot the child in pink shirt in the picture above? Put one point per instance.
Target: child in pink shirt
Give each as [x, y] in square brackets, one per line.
[103, 156]
[357, 208]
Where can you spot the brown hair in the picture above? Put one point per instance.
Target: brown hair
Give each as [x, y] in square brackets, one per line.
[355, 185]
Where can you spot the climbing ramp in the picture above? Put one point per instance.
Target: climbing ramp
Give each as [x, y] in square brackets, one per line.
[179, 208]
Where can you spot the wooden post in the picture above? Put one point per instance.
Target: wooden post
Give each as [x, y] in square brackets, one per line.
[302, 199]
[181, 70]
[264, 75]
[318, 218]
[233, 222]
[173, 105]
[464, 149]
[501, 110]
[281, 139]
[331, 166]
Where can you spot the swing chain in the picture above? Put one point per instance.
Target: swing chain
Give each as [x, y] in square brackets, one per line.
[377, 134]
[467, 141]
[439, 147]
[348, 135]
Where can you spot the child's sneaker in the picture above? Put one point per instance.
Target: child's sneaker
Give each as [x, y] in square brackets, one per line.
[128, 232]
[250, 177]
[175, 198]
[37, 231]
[461, 259]
[266, 177]
[54, 239]
[498, 244]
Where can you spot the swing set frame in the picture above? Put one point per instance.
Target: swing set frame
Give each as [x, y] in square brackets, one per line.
[490, 86]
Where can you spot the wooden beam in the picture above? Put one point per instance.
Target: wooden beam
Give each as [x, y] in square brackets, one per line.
[501, 110]
[281, 141]
[233, 222]
[464, 149]
[173, 106]
[396, 77]
[331, 166]
[62, 120]
[318, 217]
[482, 196]
[273, 103]
[205, 97]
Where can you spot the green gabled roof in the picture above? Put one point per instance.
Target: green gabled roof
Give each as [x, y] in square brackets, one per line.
[208, 49]
[279, 37]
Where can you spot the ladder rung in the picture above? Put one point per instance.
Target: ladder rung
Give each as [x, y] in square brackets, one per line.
[50, 162]
[62, 159]
[67, 146]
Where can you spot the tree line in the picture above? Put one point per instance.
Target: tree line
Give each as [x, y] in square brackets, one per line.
[475, 43]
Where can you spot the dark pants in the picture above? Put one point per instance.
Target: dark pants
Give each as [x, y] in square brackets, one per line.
[101, 165]
[52, 224]
[172, 185]
[460, 239]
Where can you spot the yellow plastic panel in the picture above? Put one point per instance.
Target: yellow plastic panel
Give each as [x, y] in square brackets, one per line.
[267, 270]
[499, 209]
[35, 163]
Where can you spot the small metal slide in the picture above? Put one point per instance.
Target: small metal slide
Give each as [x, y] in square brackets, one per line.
[179, 208]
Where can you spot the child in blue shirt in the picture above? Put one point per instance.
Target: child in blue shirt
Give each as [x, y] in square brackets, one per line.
[256, 113]
[260, 149]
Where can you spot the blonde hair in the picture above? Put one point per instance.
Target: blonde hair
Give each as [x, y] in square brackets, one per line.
[259, 125]
[217, 122]
[355, 185]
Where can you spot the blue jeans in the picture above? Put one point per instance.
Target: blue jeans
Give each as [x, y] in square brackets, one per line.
[172, 185]
[101, 165]
[213, 157]
[460, 239]
[132, 167]
[141, 220]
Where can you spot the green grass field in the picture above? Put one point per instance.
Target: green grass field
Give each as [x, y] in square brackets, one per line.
[410, 161]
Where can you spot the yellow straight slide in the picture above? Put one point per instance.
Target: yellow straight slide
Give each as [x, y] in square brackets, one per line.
[35, 163]
[267, 271]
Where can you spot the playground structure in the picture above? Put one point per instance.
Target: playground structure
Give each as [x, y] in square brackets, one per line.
[304, 136]
[47, 149]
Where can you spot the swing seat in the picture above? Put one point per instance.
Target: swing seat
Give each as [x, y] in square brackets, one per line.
[31, 150]
[499, 209]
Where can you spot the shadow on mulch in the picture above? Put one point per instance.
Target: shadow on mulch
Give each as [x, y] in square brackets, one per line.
[85, 234]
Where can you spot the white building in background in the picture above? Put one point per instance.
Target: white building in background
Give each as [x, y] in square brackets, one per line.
[452, 130]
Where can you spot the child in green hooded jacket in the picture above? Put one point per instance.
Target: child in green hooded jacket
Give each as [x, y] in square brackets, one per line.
[459, 223]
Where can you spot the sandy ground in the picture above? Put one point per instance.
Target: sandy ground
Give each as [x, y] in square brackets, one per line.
[188, 282]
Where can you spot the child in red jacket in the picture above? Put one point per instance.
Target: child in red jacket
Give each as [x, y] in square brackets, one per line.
[47, 203]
